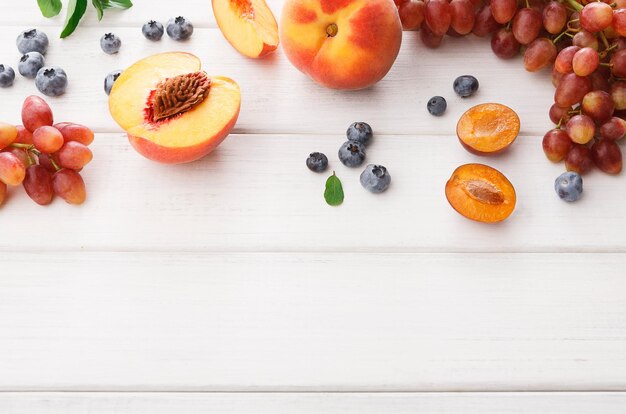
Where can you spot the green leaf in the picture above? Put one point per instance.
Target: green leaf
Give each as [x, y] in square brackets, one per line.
[75, 11]
[334, 191]
[99, 8]
[119, 4]
[49, 8]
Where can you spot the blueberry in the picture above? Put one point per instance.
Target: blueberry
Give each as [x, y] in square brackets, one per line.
[7, 76]
[32, 40]
[110, 80]
[465, 86]
[569, 186]
[179, 28]
[110, 43]
[51, 81]
[375, 178]
[30, 64]
[153, 30]
[360, 132]
[317, 162]
[437, 105]
[352, 154]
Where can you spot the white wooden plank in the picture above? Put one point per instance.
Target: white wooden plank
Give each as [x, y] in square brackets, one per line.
[199, 12]
[314, 322]
[279, 99]
[378, 403]
[255, 194]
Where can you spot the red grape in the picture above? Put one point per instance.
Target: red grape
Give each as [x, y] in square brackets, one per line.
[12, 171]
[556, 77]
[571, 89]
[411, 14]
[74, 155]
[619, 21]
[585, 39]
[596, 16]
[21, 154]
[47, 139]
[580, 129]
[44, 161]
[618, 93]
[38, 185]
[76, 132]
[618, 63]
[614, 129]
[574, 21]
[564, 59]
[585, 61]
[69, 185]
[538, 5]
[429, 39]
[539, 54]
[600, 80]
[556, 144]
[578, 159]
[554, 17]
[598, 105]
[503, 10]
[558, 114]
[485, 23]
[463, 17]
[438, 16]
[504, 44]
[24, 136]
[607, 156]
[527, 25]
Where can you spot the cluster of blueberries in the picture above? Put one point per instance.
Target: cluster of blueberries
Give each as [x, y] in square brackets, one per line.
[374, 178]
[33, 45]
[464, 86]
[177, 28]
[52, 80]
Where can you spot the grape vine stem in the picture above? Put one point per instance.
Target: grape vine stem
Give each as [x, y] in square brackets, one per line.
[575, 5]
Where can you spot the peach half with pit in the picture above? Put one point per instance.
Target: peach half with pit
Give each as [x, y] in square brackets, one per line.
[172, 111]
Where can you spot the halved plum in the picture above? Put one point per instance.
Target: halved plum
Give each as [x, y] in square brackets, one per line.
[488, 128]
[481, 193]
[172, 111]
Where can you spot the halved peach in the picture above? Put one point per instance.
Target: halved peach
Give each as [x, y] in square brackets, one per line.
[488, 128]
[248, 25]
[172, 111]
[481, 193]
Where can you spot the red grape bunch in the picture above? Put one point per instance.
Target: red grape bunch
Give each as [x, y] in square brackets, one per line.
[584, 42]
[45, 158]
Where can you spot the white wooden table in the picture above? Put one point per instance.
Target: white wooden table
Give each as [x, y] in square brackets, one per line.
[228, 286]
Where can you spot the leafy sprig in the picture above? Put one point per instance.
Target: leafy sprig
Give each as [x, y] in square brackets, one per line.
[76, 10]
[334, 191]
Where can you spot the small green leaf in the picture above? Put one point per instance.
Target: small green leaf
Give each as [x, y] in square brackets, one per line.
[119, 4]
[334, 191]
[49, 8]
[97, 4]
[75, 11]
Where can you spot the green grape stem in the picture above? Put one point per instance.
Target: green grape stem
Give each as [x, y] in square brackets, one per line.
[574, 4]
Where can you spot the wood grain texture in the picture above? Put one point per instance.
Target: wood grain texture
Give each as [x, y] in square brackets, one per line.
[277, 98]
[255, 194]
[199, 12]
[380, 403]
[231, 274]
[295, 322]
